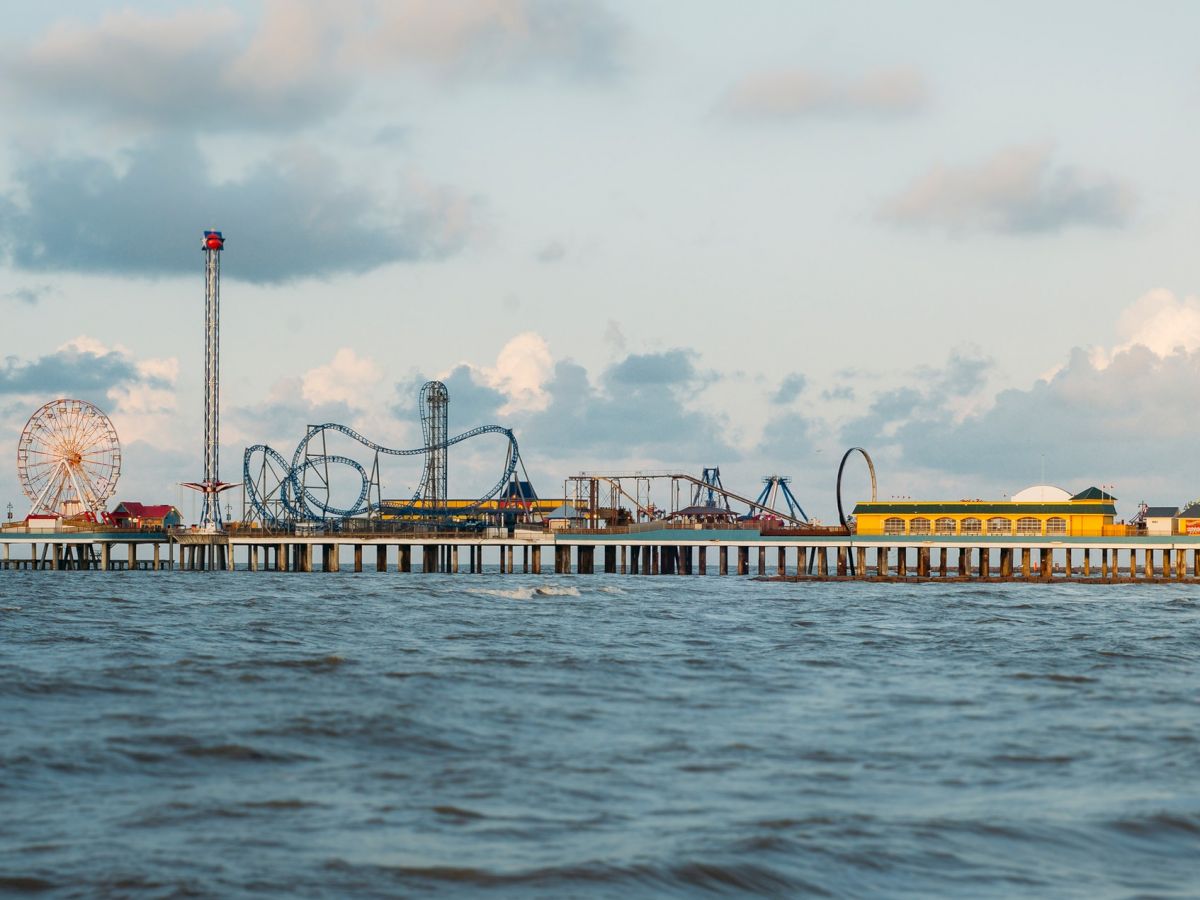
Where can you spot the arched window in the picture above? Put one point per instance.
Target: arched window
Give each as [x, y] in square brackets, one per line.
[919, 525]
[944, 525]
[999, 525]
[1056, 525]
[893, 525]
[1029, 525]
[972, 526]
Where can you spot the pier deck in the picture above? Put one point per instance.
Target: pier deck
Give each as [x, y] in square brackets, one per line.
[635, 551]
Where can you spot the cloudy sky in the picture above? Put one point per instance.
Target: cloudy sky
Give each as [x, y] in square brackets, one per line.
[645, 236]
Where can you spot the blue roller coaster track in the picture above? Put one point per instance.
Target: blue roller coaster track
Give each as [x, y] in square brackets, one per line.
[290, 499]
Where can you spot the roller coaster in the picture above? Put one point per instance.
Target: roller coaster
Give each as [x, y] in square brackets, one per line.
[283, 492]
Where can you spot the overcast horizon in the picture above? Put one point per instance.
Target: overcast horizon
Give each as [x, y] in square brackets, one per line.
[642, 236]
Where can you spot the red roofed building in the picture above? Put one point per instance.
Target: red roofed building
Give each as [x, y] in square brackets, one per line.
[130, 514]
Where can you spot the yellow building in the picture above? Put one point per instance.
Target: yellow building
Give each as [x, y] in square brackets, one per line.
[1041, 510]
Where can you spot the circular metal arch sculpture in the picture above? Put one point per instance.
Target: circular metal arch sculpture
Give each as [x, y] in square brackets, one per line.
[842, 468]
[68, 455]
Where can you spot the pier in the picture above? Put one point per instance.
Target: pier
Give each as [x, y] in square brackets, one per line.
[80, 551]
[634, 551]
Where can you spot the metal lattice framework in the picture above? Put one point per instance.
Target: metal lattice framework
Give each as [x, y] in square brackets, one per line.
[775, 488]
[211, 485]
[435, 428]
[282, 492]
[68, 458]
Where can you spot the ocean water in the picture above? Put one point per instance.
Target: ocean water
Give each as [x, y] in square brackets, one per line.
[378, 735]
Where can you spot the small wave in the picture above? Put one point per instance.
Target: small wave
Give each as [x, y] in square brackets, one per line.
[456, 812]
[280, 804]
[526, 593]
[1055, 677]
[693, 876]
[1031, 759]
[313, 664]
[1160, 824]
[513, 594]
[26, 884]
[237, 752]
[611, 589]
[564, 591]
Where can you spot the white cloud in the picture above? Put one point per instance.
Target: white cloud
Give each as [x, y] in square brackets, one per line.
[1019, 190]
[187, 68]
[1161, 322]
[490, 38]
[796, 93]
[523, 368]
[349, 378]
[208, 67]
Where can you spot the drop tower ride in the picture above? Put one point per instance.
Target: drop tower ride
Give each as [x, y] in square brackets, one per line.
[211, 486]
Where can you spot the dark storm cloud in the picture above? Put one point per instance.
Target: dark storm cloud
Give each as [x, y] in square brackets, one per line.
[70, 372]
[1018, 191]
[286, 221]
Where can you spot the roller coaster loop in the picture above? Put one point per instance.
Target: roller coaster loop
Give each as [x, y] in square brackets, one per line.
[292, 499]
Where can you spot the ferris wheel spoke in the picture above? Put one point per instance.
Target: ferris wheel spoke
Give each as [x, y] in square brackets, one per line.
[90, 431]
[78, 429]
[39, 501]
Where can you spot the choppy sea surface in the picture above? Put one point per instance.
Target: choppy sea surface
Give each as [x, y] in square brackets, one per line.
[377, 735]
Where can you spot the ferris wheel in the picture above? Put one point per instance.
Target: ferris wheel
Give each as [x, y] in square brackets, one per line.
[68, 458]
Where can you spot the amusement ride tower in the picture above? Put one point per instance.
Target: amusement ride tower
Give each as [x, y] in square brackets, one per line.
[210, 516]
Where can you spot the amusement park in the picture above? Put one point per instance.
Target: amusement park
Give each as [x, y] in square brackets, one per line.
[327, 492]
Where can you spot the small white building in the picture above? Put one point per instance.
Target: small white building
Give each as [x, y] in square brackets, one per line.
[1160, 519]
[566, 516]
